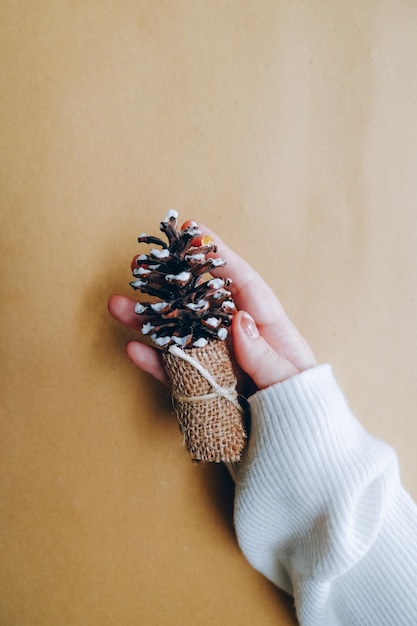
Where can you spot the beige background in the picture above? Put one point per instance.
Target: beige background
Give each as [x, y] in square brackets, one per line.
[289, 128]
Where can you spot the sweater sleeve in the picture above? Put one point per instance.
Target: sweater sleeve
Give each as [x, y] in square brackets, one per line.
[320, 509]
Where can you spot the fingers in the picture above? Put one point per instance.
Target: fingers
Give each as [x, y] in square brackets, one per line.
[148, 359]
[123, 310]
[145, 357]
[251, 293]
[255, 356]
[247, 287]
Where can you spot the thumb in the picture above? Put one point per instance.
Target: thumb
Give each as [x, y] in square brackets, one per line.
[255, 356]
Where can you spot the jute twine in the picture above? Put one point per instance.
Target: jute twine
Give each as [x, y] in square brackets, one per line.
[206, 402]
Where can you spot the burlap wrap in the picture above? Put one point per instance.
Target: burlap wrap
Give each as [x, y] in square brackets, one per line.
[212, 427]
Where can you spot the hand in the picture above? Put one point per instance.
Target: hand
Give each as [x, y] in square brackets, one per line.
[266, 345]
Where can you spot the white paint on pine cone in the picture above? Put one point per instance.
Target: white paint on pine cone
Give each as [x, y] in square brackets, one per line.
[183, 276]
[195, 257]
[181, 341]
[146, 328]
[216, 283]
[160, 341]
[138, 283]
[222, 333]
[197, 306]
[139, 308]
[160, 254]
[158, 306]
[200, 343]
[221, 293]
[171, 213]
[213, 321]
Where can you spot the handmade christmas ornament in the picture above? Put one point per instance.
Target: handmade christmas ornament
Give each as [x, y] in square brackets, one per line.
[189, 320]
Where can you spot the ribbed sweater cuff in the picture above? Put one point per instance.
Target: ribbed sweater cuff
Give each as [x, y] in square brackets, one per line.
[315, 492]
[306, 444]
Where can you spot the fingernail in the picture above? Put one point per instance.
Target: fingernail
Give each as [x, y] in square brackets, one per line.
[248, 326]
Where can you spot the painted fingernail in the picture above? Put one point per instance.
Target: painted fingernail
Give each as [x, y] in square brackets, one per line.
[248, 326]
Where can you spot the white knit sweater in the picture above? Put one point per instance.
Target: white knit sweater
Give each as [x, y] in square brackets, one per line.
[320, 509]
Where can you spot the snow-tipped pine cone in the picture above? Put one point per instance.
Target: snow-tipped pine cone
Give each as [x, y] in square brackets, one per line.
[189, 318]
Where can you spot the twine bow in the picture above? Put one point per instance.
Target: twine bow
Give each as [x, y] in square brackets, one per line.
[229, 393]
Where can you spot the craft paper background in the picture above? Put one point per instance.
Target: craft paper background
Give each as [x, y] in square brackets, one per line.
[287, 127]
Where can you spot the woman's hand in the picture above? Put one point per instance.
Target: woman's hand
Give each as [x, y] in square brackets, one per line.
[266, 345]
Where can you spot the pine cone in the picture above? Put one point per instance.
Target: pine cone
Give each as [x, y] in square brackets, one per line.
[190, 321]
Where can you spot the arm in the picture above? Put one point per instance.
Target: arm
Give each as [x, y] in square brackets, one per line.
[320, 509]
[319, 506]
